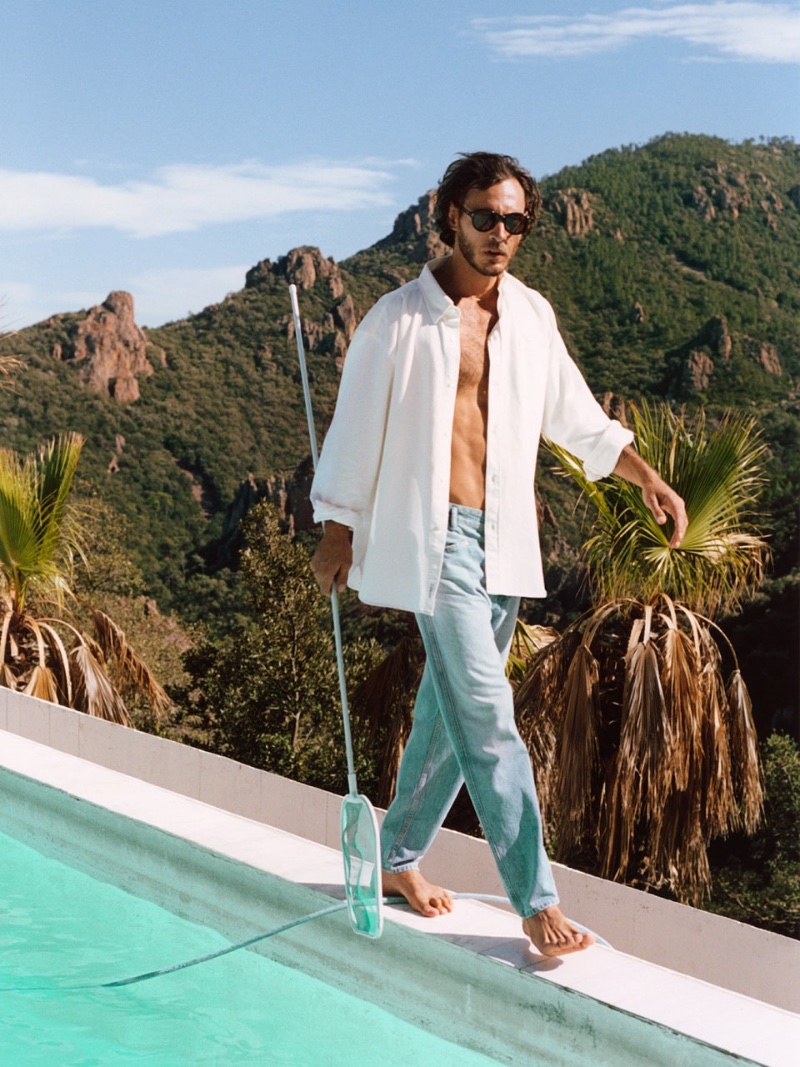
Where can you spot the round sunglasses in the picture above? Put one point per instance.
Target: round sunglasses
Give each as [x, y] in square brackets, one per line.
[484, 220]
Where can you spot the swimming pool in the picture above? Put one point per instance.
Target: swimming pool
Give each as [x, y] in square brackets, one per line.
[463, 997]
[244, 1008]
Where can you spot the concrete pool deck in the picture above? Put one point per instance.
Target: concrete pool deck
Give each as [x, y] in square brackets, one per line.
[716, 1019]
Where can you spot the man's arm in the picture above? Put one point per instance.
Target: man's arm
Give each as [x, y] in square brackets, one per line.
[658, 496]
[333, 558]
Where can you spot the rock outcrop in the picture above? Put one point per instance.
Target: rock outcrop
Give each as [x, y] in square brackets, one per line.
[289, 493]
[415, 230]
[723, 190]
[763, 353]
[303, 267]
[574, 209]
[713, 347]
[112, 348]
[698, 371]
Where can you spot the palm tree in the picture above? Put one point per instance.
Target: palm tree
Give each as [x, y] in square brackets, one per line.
[641, 752]
[44, 649]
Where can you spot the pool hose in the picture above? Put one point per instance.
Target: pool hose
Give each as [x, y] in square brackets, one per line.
[284, 928]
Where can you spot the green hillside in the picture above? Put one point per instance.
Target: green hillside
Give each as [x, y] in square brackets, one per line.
[674, 271]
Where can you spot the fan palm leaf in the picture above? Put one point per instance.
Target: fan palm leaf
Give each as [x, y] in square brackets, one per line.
[719, 473]
[38, 535]
[39, 538]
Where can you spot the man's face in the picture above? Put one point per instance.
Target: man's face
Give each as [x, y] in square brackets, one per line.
[488, 253]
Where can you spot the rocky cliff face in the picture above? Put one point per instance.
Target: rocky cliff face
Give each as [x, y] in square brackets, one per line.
[574, 209]
[724, 190]
[416, 232]
[112, 348]
[302, 267]
[713, 347]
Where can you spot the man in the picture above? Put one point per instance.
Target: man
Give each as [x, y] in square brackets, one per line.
[428, 470]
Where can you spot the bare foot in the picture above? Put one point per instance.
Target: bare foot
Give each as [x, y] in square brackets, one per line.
[553, 934]
[429, 900]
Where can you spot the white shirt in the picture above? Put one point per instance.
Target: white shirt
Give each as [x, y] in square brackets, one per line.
[385, 465]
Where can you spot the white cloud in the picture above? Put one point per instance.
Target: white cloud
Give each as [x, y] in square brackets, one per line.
[761, 32]
[186, 197]
[164, 295]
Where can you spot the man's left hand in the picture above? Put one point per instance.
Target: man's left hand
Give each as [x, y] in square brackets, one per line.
[657, 495]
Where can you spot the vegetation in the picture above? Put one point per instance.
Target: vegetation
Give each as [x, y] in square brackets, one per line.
[757, 879]
[642, 753]
[268, 695]
[44, 649]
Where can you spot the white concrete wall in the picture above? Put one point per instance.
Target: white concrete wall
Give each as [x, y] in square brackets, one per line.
[723, 952]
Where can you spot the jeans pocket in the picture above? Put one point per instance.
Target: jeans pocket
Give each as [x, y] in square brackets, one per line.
[454, 541]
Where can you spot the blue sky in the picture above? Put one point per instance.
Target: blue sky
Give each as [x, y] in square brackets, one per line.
[165, 146]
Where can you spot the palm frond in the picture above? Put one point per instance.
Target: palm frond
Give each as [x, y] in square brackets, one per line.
[133, 672]
[744, 753]
[42, 684]
[37, 534]
[576, 744]
[94, 693]
[527, 641]
[720, 473]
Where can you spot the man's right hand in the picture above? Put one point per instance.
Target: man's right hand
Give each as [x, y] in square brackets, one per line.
[333, 558]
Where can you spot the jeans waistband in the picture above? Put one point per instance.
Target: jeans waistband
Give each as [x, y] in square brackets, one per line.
[461, 516]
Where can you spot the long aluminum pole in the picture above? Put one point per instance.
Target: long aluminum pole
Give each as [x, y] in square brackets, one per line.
[337, 626]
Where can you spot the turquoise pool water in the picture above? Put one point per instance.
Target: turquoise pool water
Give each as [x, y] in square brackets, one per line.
[61, 925]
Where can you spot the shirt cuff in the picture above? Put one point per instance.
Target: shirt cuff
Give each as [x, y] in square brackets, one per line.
[606, 454]
[324, 512]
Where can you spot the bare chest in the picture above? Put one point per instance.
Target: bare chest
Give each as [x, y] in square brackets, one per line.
[476, 326]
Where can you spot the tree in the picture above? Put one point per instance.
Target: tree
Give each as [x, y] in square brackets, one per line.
[758, 880]
[642, 753]
[44, 648]
[268, 694]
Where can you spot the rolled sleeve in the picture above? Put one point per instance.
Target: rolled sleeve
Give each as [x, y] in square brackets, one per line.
[603, 459]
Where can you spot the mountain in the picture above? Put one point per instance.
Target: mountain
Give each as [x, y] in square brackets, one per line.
[673, 268]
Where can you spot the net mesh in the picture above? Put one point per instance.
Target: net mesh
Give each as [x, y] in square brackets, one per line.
[362, 868]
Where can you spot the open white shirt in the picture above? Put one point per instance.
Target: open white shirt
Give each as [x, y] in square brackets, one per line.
[385, 465]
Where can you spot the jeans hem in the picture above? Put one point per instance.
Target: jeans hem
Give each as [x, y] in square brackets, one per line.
[414, 866]
[549, 902]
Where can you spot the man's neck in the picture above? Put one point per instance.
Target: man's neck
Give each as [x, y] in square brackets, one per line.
[460, 281]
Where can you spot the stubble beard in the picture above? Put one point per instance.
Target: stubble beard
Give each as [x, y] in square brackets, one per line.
[474, 255]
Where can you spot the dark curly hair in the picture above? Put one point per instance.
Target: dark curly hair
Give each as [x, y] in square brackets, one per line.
[480, 170]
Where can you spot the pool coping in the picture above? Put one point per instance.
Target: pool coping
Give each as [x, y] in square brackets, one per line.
[717, 1019]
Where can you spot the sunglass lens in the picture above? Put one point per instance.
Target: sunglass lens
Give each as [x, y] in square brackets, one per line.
[515, 223]
[484, 220]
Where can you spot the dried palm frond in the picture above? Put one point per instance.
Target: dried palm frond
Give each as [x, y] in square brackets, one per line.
[680, 673]
[670, 775]
[576, 744]
[537, 705]
[42, 684]
[94, 693]
[134, 674]
[744, 753]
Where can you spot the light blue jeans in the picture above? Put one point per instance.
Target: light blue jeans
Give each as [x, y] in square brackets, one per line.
[464, 730]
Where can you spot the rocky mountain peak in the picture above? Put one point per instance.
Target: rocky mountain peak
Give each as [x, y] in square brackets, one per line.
[113, 347]
[302, 267]
[416, 230]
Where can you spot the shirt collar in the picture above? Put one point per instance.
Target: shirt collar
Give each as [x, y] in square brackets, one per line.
[438, 302]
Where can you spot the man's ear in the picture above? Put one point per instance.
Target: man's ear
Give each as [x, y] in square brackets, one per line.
[453, 213]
